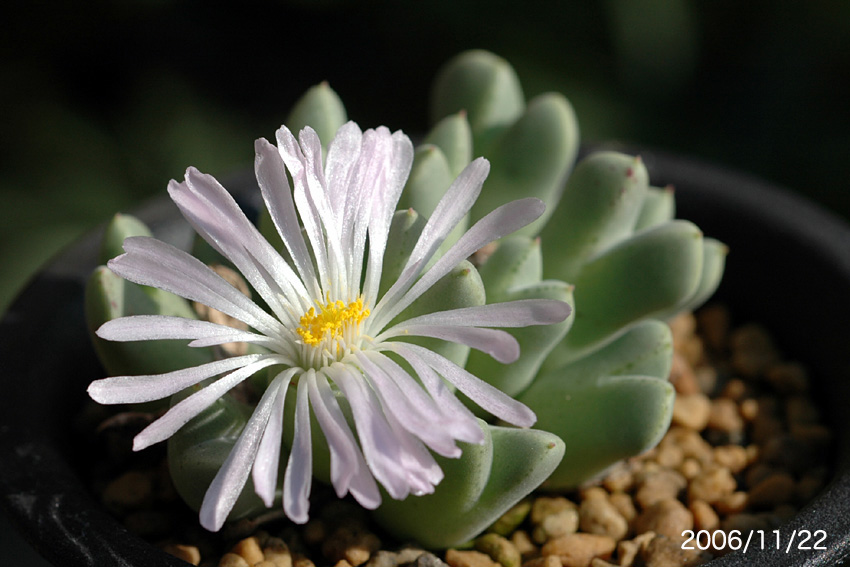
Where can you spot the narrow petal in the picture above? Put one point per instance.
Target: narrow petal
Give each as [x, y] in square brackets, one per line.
[297, 479]
[486, 396]
[138, 389]
[456, 417]
[233, 474]
[148, 261]
[343, 153]
[502, 221]
[349, 471]
[412, 408]
[186, 409]
[498, 344]
[519, 313]
[454, 205]
[166, 327]
[267, 461]
[277, 195]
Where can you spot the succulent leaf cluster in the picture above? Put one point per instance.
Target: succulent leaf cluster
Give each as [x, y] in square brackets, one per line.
[608, 245]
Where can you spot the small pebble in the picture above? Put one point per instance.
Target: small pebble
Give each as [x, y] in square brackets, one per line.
[249, 549]
[711, 485]
[188, 553]
[598, 516]
[724, 416]
[233, 560]
[775, 489]
[664, 484]
[500, 550]
[692, 411]
[667, 517]
[705, 518]
[577, 550]
[457, 558]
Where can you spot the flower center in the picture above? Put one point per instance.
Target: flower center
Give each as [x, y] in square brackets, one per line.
[333, 327]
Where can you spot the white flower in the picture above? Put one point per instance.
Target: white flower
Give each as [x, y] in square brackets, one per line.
[327, 330]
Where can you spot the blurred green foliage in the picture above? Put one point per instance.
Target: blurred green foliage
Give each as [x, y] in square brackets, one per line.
[102, 104]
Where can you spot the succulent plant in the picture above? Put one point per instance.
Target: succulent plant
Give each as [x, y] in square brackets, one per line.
[607, 245]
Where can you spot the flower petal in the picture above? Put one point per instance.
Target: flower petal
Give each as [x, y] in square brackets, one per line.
[186, 409]
[277, 195]
[498, 344]
[166, 327]
[349, 471]
[500, 222]
[267, 461]
[148, 261]
[146, 388]
[297, 480]
[519, 313]
[489, 398]
[233, 474]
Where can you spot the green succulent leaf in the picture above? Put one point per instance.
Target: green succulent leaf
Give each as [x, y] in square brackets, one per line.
[532, 158]
[516, 262]
[108, 297]
[198, 450]
[486, 87]
[453, 135]
[321, 109]
[120, 227]
[641, 277]
[462, 287]
[600, 206]
[609, 405]
[659, 206]
[477, 489]
[713, 264]
[535, 342]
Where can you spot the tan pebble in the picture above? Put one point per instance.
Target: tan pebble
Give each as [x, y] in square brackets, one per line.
[734, 503]
[547, 505]
[522, 541]
[753, 453]
[627, 550]
[357, 554]
[130, 491]
[599, 562]
[598, 516]
[706, 378]
[561, 522]
[668, 517]
[712, 484]
[500, 549]
[669, 456]
[624, 504]
[662, 485]
[752, 350]
[788, 377]
[713, 323]
[276, 551]
[724, 416]
[682, 376]
[619, 478]
[690, 468]
[777, 488]
[233, 560]
[734, 389]
[545, 561]
[265, 563]
[577, 550]
[667, 552]
[682, 327]
[692, 411]
[590, 492]
[249, 548]
[457, 558]
[705, 518]
[188, 553]
[732, 457]
[343, 563]
[691, 443]
[301, 561]
[801, 409]
[749, 409]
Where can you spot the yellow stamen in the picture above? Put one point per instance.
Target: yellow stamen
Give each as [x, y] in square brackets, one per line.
[331, 321]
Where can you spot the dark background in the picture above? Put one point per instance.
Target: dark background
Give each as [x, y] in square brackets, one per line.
[103, 102]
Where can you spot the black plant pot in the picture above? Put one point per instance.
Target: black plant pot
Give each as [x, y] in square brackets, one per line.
[789, 268]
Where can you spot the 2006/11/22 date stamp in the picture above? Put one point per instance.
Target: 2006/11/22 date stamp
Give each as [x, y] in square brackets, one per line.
[803, 540]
